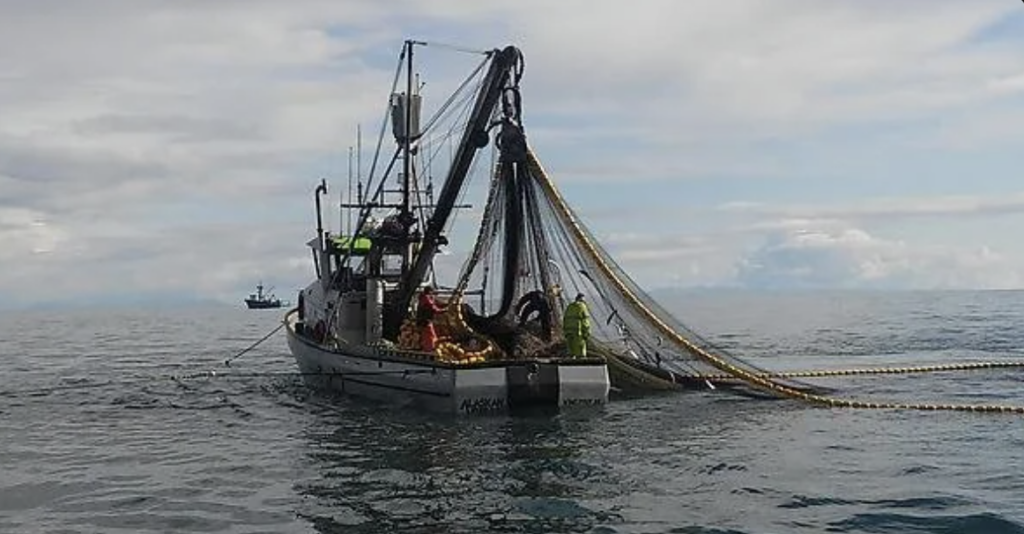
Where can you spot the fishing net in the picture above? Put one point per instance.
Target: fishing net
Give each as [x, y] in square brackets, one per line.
[533, 255]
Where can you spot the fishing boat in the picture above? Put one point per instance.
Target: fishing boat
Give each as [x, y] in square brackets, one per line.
[261, 301]
[354, 328]
[358, 327]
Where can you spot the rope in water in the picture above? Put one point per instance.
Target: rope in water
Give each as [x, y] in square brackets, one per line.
[819, 373]
[227, 362]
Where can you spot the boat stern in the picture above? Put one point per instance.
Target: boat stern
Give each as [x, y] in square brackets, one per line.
[531, 385]
[583, 383]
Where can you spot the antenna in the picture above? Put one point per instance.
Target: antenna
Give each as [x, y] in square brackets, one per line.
[347, 224]
[359, 162]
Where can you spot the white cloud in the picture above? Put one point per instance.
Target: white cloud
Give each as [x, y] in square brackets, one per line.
[214, 262]
[152, 137]
[981, 129]
[852, 258]
[806, 253]
[770, 65]
[26, 234]
[958, 206]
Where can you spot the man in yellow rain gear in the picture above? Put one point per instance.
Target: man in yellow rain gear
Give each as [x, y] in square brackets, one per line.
[576, 327]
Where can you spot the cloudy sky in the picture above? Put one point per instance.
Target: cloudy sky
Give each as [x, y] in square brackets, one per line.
[168, 150]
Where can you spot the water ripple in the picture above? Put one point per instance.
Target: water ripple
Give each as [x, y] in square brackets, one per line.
[98, 438]
[937, 524]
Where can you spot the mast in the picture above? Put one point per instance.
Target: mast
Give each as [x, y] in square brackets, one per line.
[505, 65]
[406, 215]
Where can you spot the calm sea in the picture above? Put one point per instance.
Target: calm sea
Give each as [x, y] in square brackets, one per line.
[96, 436]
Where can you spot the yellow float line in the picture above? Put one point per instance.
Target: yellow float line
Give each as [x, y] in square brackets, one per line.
[819, 373]
[765, 384]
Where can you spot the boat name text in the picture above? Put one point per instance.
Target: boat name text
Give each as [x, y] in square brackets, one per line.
[587, 401]
[482, 405]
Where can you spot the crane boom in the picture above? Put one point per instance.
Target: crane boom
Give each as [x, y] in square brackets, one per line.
[502, 71]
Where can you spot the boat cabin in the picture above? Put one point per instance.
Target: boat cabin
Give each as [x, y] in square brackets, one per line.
[360, 274]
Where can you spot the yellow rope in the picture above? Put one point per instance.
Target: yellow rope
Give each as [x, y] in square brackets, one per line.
[764, 383]
[819, 373]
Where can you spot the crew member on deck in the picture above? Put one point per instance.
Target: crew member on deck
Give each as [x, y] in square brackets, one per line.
[576, 327]
[426, 309]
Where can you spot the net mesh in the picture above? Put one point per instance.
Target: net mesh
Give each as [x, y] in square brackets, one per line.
[533, 255]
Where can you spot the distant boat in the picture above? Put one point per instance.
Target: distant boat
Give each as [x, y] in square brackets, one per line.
[261, 301]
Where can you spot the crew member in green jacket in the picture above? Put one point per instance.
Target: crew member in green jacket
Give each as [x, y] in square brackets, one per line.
[576, 327]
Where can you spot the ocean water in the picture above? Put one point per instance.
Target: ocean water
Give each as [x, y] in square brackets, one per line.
[129, 421]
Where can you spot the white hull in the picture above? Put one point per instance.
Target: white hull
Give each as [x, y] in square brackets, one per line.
[492, 387]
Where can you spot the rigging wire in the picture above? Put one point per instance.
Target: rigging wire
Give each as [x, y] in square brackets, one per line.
[456, 48]
[459, 119]
[458, 94]
[384, 121]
